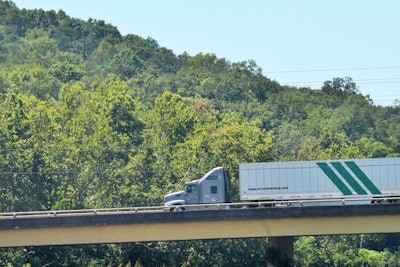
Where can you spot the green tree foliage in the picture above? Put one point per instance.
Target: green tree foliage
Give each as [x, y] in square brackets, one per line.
[337, 90]
[90, 119]
[340, 251]
[39, 47]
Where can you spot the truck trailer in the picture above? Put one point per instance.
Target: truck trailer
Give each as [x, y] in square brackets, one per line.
[314, 182]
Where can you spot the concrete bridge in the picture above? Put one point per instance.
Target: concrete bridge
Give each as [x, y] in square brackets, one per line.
[142, 225]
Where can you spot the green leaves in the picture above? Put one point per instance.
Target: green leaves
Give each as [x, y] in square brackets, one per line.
[91, 119]
[125, 64]
[340, 251]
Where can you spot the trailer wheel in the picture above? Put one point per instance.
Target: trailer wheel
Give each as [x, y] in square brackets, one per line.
[393, 200]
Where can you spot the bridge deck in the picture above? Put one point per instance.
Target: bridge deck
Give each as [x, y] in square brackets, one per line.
[116, 227]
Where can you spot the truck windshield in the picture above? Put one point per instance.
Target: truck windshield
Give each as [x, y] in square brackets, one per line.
[191, 188]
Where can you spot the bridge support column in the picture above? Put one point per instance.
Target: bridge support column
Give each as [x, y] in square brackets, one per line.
[280, 251]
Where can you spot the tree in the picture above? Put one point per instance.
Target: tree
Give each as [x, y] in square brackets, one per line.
[338, 90]
[340, 86]
[125, 63]
[373, 149]
[68, 67]
[24, 187]
[41, 49]
[90, 118]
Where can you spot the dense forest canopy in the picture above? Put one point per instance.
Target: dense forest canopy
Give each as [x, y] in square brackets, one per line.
[91, 118]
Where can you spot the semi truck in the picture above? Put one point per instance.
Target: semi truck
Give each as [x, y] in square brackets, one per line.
[312, 182]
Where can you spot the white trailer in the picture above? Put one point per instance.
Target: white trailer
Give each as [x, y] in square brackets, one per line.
[322, 182]
[322, 179]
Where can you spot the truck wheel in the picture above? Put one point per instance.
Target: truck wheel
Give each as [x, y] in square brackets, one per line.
[176, 209]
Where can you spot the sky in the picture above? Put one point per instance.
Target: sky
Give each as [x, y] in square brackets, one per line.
[295, 42]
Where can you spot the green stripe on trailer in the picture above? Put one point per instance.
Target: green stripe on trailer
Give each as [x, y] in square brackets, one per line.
[349, 179]
[363, 178]
[334, 178]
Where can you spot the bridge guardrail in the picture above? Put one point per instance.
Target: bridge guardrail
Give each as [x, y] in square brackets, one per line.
[127, 210]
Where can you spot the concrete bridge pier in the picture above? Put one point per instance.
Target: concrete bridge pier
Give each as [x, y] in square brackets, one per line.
[280, 251]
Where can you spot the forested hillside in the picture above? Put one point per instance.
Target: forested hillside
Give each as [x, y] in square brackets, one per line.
[91, 118]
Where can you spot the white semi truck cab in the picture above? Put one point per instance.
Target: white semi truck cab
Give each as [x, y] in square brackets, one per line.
[212, 188]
